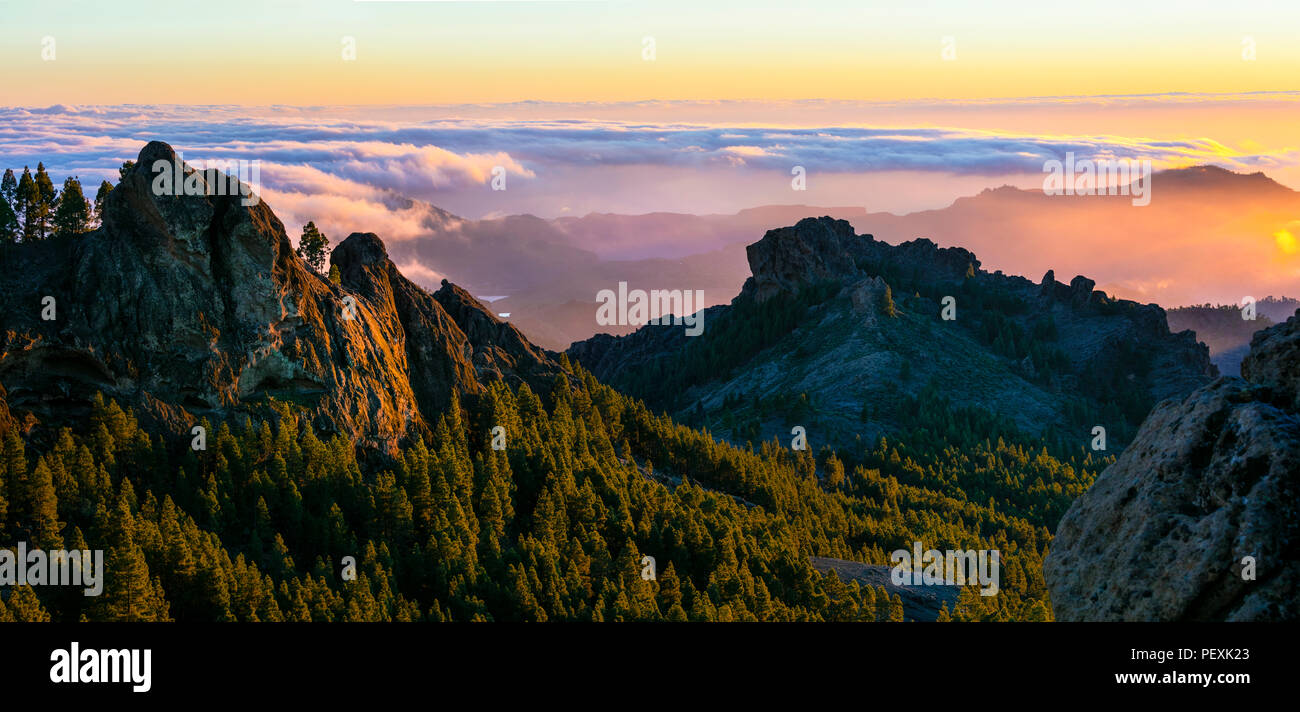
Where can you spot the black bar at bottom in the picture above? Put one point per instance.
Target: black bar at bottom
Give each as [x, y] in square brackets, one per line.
[658, 663]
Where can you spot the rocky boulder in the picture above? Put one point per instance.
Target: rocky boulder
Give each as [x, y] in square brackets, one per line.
[1274, 358]
[869, 297]
[1207, 492]
[812, 250]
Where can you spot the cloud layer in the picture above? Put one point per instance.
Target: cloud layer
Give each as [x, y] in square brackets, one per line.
[347, 168]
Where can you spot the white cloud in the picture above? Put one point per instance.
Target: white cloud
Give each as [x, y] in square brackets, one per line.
[420, 274]
[345, 167]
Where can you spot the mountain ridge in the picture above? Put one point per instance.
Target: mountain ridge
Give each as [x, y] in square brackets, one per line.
[1020, 230]
[868, 337]
[194, 305]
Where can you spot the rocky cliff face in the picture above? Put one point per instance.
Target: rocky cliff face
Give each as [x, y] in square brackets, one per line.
[1014, 347]
[196, 304]
[1210, 484]
[792, 257]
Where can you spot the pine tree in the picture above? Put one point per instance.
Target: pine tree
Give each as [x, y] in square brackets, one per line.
[129, 592]
[14, 468]
[869, 603]
[9, 187]
[72, 212]
[9, 228]
[834, 471]
[1037, 612]
[24, 607]
[25, 204]
[896, 609]
[670, 592]
[40, 507]
[4, 482]
[100, 197]
[335, 277]
[43, 202]
[313, 246]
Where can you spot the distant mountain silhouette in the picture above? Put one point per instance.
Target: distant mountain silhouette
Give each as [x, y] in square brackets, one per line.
[1198, 217]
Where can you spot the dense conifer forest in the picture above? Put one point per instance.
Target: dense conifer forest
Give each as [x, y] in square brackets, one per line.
[256, 526]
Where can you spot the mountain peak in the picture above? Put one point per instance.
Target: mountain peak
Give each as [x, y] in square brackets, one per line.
[1218, 178]
[813, 250]
[155, 151]
[193, 297]
[361, 248]
[821, 249]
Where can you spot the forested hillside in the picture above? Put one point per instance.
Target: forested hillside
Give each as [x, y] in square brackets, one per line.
[372, 451]
[553, 527]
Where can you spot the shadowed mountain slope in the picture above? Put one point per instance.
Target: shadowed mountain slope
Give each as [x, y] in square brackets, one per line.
[838, 332]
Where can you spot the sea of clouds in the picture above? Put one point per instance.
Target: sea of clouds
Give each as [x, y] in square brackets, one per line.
[353, 167]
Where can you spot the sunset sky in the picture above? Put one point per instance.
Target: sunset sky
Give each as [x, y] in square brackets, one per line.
[635, 107]
[289, 51]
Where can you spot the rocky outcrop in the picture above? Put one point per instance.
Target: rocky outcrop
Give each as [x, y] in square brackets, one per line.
[1210, 485]
[501, 352]
[195, 299]
[843, 354]
[1274, 359]
[790, 257]
[869, 298]
[825, 249]
[451, 342]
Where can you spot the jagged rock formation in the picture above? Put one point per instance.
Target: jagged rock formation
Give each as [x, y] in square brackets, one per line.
[189, 305]
[1164, 532]
[790, 257]
[1016, 348]
[452, 342]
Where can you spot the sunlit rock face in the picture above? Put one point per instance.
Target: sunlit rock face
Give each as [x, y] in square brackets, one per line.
[187, 302]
